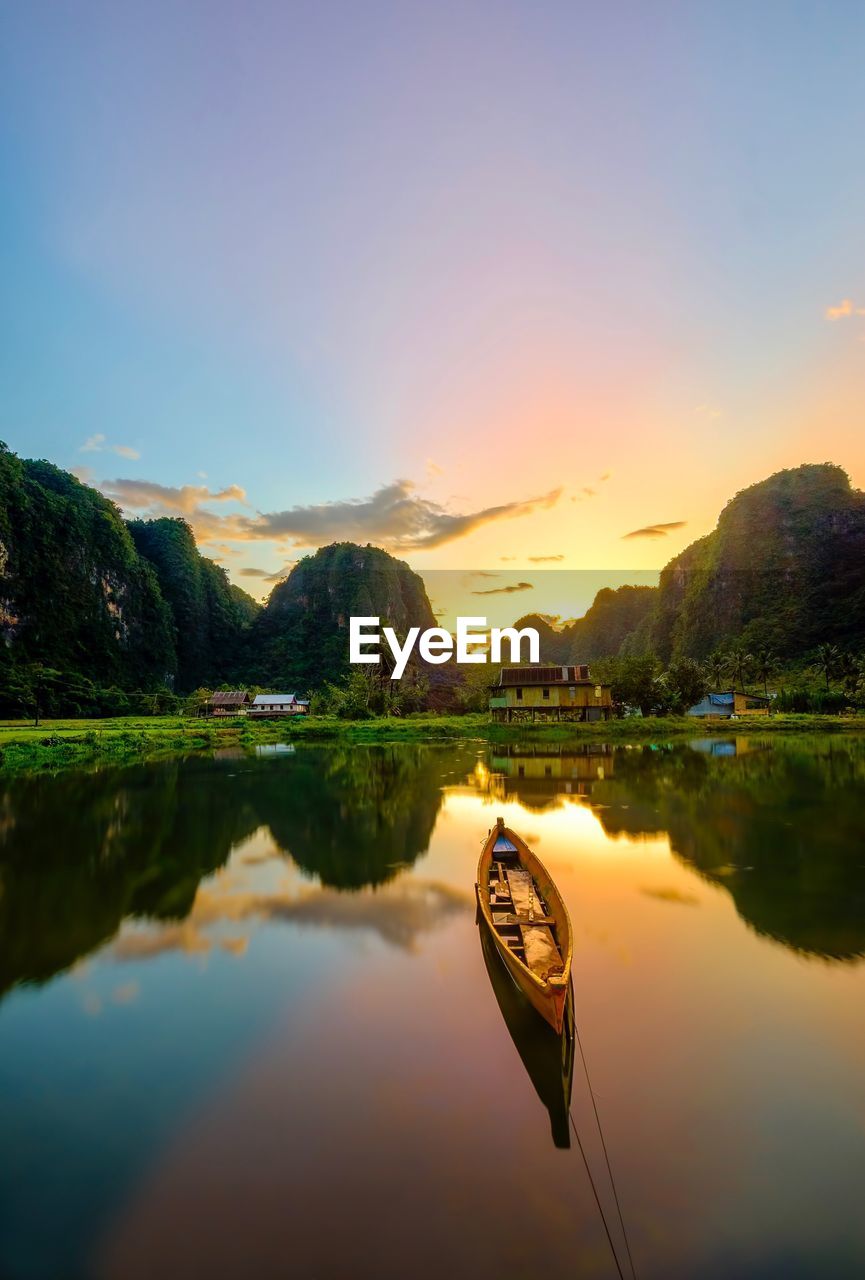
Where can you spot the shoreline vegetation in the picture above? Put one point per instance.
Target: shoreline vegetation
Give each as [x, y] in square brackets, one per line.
[59, 744]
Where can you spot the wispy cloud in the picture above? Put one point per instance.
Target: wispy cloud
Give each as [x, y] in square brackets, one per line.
[506, 591]
[279, 575]
[545, 559]
[655, 530]
[99, 444]
[843, 310]
[395, 516]
[708, 411]
[588, 491]
[191, 501]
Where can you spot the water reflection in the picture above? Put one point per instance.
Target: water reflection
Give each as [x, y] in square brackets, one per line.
[779, 825]
[82, 851]
[538, 776]
[776, 823]
[547, 1057]
[282, 1008]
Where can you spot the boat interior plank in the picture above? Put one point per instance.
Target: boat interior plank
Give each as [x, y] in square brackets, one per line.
[542, 955]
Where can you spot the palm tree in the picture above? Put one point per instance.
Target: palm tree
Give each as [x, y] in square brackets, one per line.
[826, 661]
[851, 669]
[740, 663]
[765, 665]
[716, 666]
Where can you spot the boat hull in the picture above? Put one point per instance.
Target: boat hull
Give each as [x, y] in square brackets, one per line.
[547, 1058]
[549, 995]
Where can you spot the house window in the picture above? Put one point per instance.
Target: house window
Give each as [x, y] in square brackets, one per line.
[547, 694]
[519, 695]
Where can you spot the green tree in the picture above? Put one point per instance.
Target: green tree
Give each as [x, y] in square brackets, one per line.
[30, 687]
[765, 666]
[717, 668]
[740, 665]
[633, 681]
[850, 669]
[826, 660]
[193, 701]
[473, 691]
[686, 681]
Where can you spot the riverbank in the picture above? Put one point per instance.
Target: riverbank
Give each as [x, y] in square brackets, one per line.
[58, 744]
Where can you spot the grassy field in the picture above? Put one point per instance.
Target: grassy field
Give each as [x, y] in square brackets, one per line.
[60, 743]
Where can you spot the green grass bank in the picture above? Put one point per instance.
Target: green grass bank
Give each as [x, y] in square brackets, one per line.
[57, 744]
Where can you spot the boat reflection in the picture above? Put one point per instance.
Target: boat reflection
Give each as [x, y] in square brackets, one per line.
[548, 1058]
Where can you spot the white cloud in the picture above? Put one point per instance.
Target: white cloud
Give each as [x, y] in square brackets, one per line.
[98, 443]
[843, 310]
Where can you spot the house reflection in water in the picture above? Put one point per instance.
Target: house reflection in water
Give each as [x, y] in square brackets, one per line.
[539, 774]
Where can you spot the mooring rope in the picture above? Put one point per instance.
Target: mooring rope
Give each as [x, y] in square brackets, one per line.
[607, 1160]
[597, 1197]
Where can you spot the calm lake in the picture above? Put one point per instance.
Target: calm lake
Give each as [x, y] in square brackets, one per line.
[248, 1028]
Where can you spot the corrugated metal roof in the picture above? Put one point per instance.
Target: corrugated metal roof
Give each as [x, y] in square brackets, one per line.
[273, 699]
[544, 675]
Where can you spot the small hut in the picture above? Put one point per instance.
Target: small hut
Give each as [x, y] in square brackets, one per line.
[271, 706]
[232, 702]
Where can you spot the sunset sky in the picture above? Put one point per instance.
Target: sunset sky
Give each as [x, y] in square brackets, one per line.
[492, 285]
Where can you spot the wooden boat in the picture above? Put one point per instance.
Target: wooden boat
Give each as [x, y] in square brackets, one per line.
[547, 1058]
[529, 922]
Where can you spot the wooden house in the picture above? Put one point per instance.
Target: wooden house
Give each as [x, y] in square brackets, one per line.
[232, 702]
[272, 706]
[549, 693]
[729, 702]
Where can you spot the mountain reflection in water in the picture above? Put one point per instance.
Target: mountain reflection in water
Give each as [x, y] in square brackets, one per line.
[82, 851]
[773, 824]
[238, 990]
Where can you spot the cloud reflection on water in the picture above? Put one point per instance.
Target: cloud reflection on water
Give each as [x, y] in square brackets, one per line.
[397, 913]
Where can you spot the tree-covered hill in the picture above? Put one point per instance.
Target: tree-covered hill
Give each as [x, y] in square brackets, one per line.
[784, 571]
[555, 642]
[784, 568]
[75, 595]
[210, 615]
[89, 602]
[95, 602]
[615, 614]
[607, 626]
[301, 636]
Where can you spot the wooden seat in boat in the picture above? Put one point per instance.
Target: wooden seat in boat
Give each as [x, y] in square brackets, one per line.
[542, 955]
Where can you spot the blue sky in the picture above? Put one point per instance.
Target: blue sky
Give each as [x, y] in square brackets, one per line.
[494, 251]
